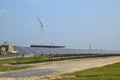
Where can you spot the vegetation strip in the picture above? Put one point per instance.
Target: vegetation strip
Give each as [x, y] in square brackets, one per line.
[108, 72]
[5, 64]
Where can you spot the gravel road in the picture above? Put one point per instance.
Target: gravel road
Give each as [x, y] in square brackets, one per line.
[27, 73]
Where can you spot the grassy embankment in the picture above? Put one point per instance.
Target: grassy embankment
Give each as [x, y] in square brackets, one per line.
[5, 64]
[109, 72]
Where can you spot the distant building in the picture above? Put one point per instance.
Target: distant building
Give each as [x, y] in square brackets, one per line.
[7, 48]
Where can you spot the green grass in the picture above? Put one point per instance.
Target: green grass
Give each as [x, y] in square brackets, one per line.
[7, 61]
[13, 60]
[25, 59]
[5, 64]
[109, 72]
[12, 68]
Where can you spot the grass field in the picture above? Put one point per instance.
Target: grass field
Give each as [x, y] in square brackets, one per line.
[13, 60]
[109, 72]
[5, 64]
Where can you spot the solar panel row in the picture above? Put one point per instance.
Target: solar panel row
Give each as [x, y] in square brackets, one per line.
[33, 50]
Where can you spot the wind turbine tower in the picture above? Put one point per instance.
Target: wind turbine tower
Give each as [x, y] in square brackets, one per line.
[41, 33]
[90, 46]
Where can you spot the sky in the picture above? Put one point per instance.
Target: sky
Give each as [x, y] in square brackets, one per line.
[73, 23]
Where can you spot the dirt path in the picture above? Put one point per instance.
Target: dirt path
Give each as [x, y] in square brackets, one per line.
[68, 66]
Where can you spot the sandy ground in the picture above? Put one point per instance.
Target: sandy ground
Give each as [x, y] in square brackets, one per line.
[68, 66]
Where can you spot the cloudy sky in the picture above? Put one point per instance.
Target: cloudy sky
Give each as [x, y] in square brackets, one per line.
[73, 23]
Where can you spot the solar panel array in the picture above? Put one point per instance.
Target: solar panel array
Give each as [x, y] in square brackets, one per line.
[35, 50]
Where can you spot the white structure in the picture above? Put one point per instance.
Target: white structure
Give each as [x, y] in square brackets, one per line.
[41, 34]
[7, 48]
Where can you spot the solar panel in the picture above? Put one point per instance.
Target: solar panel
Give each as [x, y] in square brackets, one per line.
[36, 50]
[22, 50]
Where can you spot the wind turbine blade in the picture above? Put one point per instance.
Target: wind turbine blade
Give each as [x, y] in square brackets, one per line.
[41, 34]
[40, 22]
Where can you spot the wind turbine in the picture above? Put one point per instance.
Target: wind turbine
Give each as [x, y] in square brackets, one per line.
[41, 33]
[90, 46]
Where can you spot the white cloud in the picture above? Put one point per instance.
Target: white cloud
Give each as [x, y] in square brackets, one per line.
[2, 12]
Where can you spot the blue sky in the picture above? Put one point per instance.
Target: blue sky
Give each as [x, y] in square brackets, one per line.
[73, 23]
